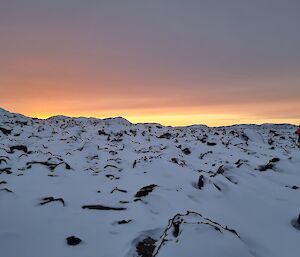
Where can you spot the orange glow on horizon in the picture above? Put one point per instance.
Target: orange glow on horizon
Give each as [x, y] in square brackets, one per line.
[170, 119]
[215, 102]
[161, 63]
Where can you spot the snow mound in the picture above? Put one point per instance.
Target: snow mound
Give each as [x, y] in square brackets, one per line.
[192, 234]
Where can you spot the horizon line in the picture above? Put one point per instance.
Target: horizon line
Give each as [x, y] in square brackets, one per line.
[132, 122]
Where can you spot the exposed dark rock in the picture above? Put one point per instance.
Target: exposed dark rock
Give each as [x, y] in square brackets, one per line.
[165, 135]
[146, 247]
[176, 226]
[73, 240]
[186, 151]
[5, 131]
[68, 167]
[232, 132]
[6, 170]
[109, 165]
[144, 191]
[232, 231]
[275, 160]
[179, 162]
[52, 199]
[274, 133]
[240, 162]
[50, 165]
[269, 166]
[103, 208]
[201, 182]
[231, 180]
[133, 132]
[52, 175]
[203, 154]
[23, 123]
[244, 137]
[203, 139]
[6, 190]
[123, 222]
[174, 160]
[102, 132]
[217, 187]
[111, 176]
[296, 222]
[117, 140]
[210, 143]
[134, 164]
[19, 147]
[3, 160]
[120, 134]
[220, 170]
[117, 189]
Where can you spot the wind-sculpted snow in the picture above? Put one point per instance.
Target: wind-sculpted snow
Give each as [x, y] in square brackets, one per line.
[91, 187]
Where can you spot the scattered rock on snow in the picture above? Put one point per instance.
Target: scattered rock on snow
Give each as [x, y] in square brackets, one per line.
[146, 247]
[6, 170]
[200, 182]
[50, 199]
[6, 190]
[5, 131]
[73, 240]
[165, 135]
[18, 147]
[220, 170]
[144, 191]
[102, 208]
[186, 151]
[269, 165]
[123, 222]
[296, 222]
[210, 143]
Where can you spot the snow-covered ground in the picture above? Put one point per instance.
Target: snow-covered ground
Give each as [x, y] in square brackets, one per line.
[147, 190]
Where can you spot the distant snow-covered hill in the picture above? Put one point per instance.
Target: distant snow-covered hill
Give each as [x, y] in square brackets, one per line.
[90, 187]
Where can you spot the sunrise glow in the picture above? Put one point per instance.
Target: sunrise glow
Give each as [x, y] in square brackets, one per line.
[170, 64]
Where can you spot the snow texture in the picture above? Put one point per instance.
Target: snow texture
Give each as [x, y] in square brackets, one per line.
[88, 187]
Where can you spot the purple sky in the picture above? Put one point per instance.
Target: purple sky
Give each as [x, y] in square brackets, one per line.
[151, 58]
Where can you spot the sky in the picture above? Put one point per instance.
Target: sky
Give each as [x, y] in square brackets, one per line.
[215, 62]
